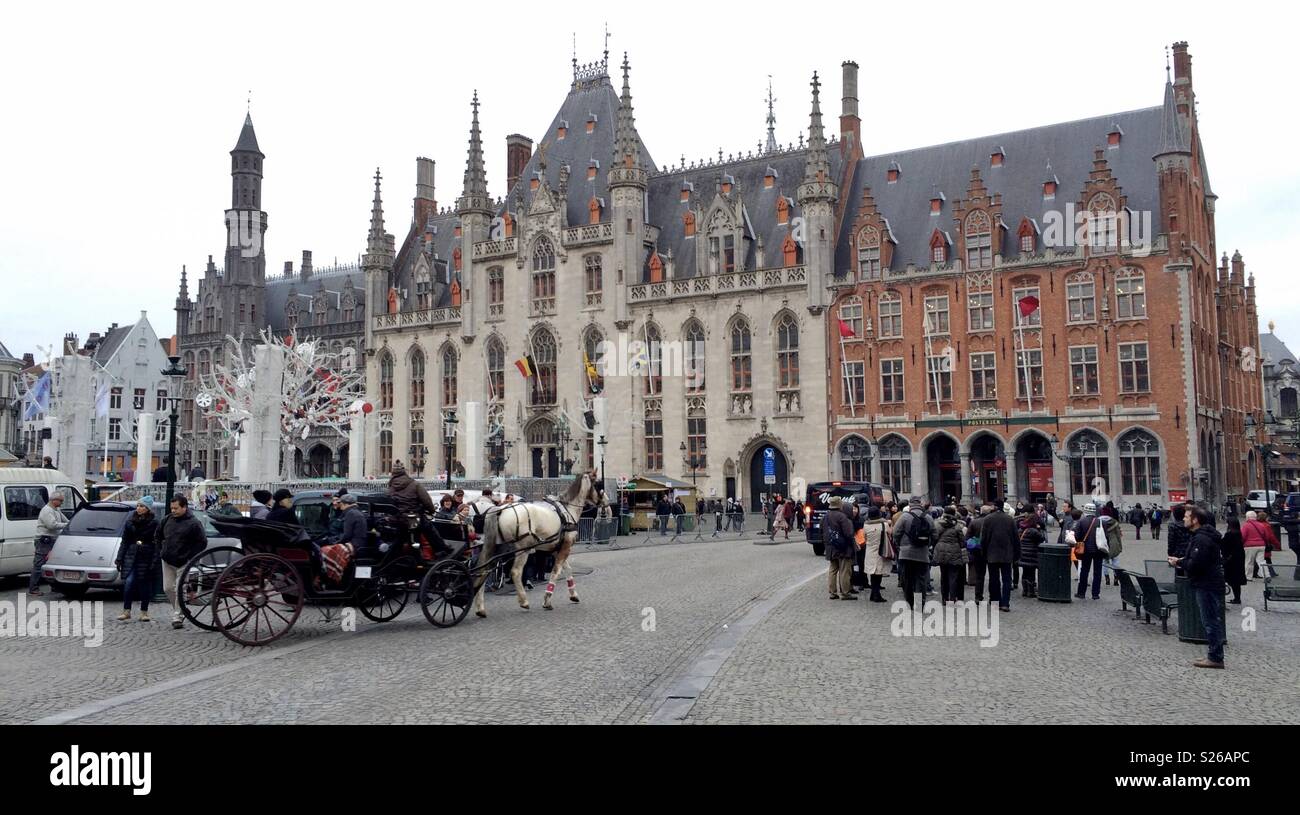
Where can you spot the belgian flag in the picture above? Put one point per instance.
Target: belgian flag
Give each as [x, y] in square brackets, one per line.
[526, 366]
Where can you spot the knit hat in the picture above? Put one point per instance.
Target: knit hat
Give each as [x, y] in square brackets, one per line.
[873, 512]
[1090, 507]
[261, 496]
[915, 501]
[281, 494]
[147, 501]
[837, 502]
[347, 499]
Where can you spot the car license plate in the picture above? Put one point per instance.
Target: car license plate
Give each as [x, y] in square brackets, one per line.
[363, 572]
[70, 577]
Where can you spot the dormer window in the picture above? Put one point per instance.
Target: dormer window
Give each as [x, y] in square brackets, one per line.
[1114, 136]
[727, 182]
[936, 203]
[769, 179]
[1027, 244]
[783, 210]
[591, 123]
[562, 130]
[687, 189]
[978, 237]
[939, 247]
[592, 169]
[891, 176]
[998, 157]
[656, 268]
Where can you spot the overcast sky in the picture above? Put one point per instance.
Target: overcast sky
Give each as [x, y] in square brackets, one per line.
[118, 117]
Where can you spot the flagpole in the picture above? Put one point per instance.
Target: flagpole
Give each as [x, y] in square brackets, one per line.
[929, 352]
[1023, 362]
[844, 375]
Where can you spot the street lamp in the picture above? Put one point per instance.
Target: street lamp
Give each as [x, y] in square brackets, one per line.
[449, 441]
[498, 449]
[175, 372]
[601, 442]
[419, 454]
[695, 460]
[855, 450]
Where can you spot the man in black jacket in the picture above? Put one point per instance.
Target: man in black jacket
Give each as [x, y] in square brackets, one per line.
[181, 537]
[1203, 564]
[998, 543]
[1176, 539]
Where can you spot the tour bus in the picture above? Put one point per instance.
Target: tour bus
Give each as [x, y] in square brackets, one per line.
[24, 491]
[818, 499]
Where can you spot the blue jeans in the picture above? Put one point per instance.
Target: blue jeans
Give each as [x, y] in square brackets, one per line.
[681, 520]
[139, 586]
[1210, 604]
[1093, 561]
[663, 524]
[1000, 584]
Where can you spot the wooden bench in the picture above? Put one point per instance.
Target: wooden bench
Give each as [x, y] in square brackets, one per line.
[1129, 594]
[1155, 600]
[1282, 585]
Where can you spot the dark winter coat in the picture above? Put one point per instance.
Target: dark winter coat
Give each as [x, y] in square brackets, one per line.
[905, 531]
[975, 529]
[409, 496]
[951, 548]
[1086, 530]
[1030, 539]
[1203, 562]
[139, 551]
[354, 529]
[844, 546]
[1234, 558]
[1176, 539]
[283, 515]
[998, 537]
[181, 538]
[1137, 517]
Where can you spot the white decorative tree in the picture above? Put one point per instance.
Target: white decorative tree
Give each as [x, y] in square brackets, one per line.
[317, 390]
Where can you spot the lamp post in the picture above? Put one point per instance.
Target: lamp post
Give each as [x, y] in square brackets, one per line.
[177, 374]
[420, 453]
[562, 438]
[601, 442]
[695, 460]
[498, 450]
[449, 441]
[855, 451]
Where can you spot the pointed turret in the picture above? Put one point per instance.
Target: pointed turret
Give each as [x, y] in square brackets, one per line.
[770, 146]
[474, 197]
[627, 168]
[817, 196]
[183, 306]
[247, 137]
[1173, 131]
[379, 244]
[818, 166]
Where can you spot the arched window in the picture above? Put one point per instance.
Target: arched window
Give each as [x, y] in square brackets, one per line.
[979, 246]
[1081, 298]
[1103, 223]
[386, 381]
[592, 271]
[851, 314]
[544, 354]
[693, 356]
[385, 451]
[1139, 463]
[855, 459]
[896, 464]
[592, 369]
[496, 365]
[543, 277]
[496, 292]
[653, 374]
[450, 362]
[190, 370]
[417, 441]
[417, 379]
[1130, 294]
[787, 363]
[742, 371]
[1288, 403]
[891, 316]
[1089, 456]
[869, 253]
[423, 287]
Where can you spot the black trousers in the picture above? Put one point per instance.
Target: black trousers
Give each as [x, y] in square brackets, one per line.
[952, 582]
[914, 576]
[981, 570]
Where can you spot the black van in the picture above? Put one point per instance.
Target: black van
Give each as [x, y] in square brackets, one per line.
[817, 502]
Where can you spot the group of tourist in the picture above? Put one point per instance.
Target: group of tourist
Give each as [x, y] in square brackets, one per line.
[994, 548]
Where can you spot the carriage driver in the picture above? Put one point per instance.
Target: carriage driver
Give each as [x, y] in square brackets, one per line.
[412, 499]
[355, 530]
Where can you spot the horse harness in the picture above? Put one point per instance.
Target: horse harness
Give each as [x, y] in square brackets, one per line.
[567, 523]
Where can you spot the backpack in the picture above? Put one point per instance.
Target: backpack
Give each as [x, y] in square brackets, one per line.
[920, 531]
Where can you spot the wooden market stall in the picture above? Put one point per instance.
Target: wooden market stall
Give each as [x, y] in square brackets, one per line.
[644, 491]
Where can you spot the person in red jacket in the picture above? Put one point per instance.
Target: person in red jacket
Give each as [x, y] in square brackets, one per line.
[1255, 537]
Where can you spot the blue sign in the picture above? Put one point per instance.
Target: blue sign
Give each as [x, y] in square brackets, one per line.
[769, 465]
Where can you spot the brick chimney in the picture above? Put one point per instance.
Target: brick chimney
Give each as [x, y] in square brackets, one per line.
[426, 205]
[305, 271]
[288, 268]
[850, 123]
[519, 149]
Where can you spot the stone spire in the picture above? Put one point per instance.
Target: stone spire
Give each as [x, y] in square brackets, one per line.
[379, 246]
[627, 145]
[818, 166]
[474, 197]
[1173, 132]
[247, 138]
[184, 296]
[771, 146]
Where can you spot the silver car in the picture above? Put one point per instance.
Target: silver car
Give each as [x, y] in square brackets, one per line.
[84, 556]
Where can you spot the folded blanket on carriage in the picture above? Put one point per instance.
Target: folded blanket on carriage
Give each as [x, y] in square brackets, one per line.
[335, 558]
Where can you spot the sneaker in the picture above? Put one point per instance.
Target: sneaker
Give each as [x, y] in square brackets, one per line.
[178, 624]
[835, 597]
[124, 616]
[1004, 609]
[144, 617]
[848, 597]
[1206, 663]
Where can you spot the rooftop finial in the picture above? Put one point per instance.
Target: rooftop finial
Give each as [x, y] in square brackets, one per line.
[250, 101]
[1168, 78]
[607, 45]
[771, 117]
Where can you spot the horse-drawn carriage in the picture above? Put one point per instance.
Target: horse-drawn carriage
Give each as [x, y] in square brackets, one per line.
[254, 594]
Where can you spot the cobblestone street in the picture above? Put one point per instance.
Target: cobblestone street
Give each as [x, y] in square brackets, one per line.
[741, 634]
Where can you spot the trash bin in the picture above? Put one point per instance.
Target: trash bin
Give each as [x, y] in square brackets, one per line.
[1190, 626]
[1054, 576]
[625, 524]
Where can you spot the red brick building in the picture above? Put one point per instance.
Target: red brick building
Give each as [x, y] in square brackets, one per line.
[1027, 313]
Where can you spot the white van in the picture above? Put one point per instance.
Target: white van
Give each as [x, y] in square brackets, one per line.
[24, 491]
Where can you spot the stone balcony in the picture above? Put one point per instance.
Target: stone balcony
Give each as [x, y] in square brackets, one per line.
[403, 320]
[725, 283]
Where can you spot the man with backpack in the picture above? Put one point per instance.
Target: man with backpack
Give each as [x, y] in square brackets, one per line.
[914, 534]
[999, 541]
[837, 533]
[1156, 516]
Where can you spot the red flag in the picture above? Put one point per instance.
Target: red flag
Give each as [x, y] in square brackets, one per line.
[1028, 305]
[846, 330]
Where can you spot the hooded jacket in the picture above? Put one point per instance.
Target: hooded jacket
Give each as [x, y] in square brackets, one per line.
[139, 549]
[913, 521]
[1203, 562]
[951, 548]
[998, 537]
[181, 538]
[1030, 539]
[408, 495]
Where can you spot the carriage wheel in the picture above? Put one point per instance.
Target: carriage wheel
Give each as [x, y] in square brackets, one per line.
[385, 596]
[198, 579]
[257, 599]
[446, 592]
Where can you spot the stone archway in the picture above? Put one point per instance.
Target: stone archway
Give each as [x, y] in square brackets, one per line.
[988, 458]
[754, 489]
[319, 462]
[943, 468]
[1034, 479]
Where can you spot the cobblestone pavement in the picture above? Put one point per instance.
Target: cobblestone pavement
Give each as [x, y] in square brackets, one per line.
[804, 659]
[1081, 663]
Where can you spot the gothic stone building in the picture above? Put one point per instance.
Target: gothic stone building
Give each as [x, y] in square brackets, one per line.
[1137, 367]
[239, 300]
[594, 242]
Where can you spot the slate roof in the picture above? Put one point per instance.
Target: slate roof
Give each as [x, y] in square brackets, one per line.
[111, 342]
[444, 243]
[666, 209]
[1067, 147]
[1274, 350]
[279, 289]
[247, 138]
[5, 356]
[577, 149]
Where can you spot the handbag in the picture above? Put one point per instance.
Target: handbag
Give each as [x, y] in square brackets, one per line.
[860, 538]
[886, 549]
[1080, 546]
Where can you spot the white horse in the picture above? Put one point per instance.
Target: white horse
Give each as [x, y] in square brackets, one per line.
[537, 526]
